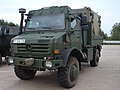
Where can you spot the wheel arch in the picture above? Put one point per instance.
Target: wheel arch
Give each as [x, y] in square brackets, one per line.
[71, 52]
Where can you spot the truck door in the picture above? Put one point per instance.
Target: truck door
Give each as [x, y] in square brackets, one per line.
[75, 33]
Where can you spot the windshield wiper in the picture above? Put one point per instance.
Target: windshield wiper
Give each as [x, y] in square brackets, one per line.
[40, 28]
[30, 28]
[46, 27]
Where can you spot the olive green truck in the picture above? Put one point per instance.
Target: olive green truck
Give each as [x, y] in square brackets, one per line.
[57, 38]
[6, 33]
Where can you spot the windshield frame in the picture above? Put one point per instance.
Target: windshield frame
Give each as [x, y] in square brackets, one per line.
[61, 16]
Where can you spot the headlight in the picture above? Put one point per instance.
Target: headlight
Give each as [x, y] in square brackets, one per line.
[19, 41]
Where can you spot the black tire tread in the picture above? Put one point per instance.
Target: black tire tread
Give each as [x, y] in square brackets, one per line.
[62, 75]
[22, 75]
[93, 63]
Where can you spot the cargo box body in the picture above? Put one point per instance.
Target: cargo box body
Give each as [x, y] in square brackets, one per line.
[92, 37]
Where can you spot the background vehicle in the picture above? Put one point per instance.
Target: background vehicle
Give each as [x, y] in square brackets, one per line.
[6, 33]
[57, 38]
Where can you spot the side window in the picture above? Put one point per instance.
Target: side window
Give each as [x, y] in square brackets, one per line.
[3, 30]
[73, 23]
[7, 31]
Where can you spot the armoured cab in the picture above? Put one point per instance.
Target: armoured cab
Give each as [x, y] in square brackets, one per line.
[45, 35]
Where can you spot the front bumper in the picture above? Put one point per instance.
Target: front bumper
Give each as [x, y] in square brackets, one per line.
[38, 64]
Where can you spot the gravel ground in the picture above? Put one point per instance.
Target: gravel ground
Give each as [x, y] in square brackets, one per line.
[104, 77]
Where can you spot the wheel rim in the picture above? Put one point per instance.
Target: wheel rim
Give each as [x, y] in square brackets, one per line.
[73, 72]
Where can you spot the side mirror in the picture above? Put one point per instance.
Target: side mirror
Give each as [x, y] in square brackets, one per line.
[84, 20]
[25, 20]
[85, 27]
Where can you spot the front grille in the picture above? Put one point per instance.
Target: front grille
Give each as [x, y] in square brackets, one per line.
[35, 48]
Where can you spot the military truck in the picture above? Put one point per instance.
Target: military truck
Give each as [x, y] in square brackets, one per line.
[57, 38]
[6, 33]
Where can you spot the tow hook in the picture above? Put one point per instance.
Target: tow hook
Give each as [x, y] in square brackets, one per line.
[29, 61]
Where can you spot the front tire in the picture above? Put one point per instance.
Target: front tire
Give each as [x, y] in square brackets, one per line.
[68, 76]
[24, 74]
[95, 60]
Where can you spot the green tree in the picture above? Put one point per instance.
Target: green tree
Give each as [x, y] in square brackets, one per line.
[115, 32]
[105, 36]
[3, 22]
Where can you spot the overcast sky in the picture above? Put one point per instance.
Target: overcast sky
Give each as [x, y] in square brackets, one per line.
[108, 9]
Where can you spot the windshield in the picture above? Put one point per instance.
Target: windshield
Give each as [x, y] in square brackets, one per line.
[46, 22]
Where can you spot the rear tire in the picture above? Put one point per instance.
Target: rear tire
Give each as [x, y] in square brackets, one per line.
[0, 59]
[95, 60]
[24, 74]
[68, 76]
